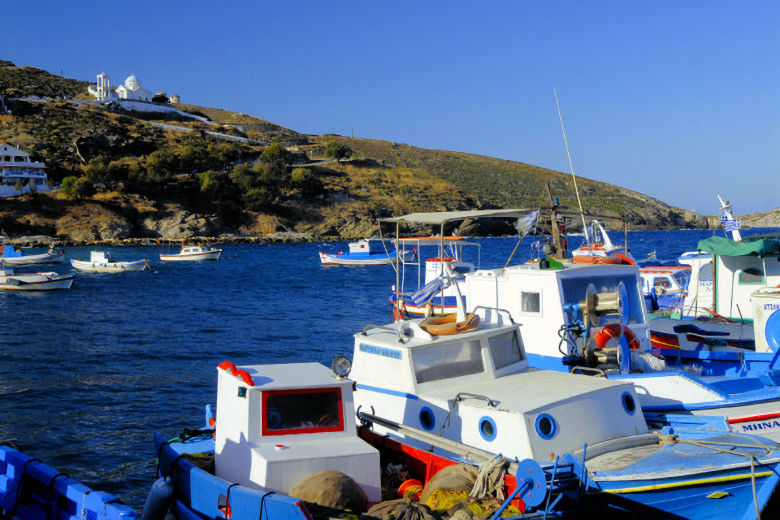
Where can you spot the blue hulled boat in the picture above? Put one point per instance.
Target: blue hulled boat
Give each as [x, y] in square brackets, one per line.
[31, 490]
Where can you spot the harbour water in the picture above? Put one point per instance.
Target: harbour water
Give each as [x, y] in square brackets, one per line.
[88, 375]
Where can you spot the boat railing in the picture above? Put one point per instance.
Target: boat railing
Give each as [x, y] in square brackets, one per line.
[493, 315]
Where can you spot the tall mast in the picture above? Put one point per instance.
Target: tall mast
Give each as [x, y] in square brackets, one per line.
[571, 167]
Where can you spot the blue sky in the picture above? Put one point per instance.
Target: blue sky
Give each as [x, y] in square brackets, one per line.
[676, 99]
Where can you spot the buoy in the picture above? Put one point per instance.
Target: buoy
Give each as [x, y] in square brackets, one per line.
[159, 499]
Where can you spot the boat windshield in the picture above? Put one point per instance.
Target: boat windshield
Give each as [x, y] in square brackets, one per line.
[447, 361]
[505, 349]
[682, 278]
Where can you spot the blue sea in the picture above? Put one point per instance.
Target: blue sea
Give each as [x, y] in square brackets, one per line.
[88, 375]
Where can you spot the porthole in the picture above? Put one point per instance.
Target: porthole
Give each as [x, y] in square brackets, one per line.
[629, 405]
[427, 419]
[546, 427]
[487, 428]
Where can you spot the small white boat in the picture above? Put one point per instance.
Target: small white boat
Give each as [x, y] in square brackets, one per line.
[102, 262]
[10, 281]
[193, 254]
[365, 252]
[13, 256]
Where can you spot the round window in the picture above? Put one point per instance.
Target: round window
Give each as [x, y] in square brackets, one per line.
[628, 403]
[545, 426]
[487, 428]
[427, 419]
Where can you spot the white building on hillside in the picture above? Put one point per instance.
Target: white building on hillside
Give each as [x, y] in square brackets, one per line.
[131, 90]
[15, 166]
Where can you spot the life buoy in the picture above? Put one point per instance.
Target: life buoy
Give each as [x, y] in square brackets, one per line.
[447, 325]
[590, 259]
[613, 331]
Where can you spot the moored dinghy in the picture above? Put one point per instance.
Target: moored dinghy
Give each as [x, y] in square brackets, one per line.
[103, 262]
[193, 254]
[12, 281]
[364, 252]
[13, 256]
[476, 387]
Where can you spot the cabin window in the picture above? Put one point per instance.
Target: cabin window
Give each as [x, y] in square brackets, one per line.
[662, 283]
[705, 272]
[505, 349]
[682, 278]
[751, 276]
[309, 410]
[435, 363]
[530, 302]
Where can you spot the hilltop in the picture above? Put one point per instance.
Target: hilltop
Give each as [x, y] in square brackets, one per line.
[184, 170]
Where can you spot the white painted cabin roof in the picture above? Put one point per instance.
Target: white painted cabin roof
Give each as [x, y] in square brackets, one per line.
[527, 391]
[291, 375]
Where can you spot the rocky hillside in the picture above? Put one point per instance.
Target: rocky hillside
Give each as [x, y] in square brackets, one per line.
[166, 175]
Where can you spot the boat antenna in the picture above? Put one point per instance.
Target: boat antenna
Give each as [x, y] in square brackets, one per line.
[571, 167]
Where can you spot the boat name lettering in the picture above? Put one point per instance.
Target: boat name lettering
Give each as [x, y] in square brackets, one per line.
[380, 351]
[771, 306]
[761, 426]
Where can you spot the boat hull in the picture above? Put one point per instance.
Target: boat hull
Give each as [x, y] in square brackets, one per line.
[360, 258]
[192, 257]
[43, 258]
[36, 282]
[109, 267]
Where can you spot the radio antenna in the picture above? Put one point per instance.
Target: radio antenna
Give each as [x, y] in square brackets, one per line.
[571, 167]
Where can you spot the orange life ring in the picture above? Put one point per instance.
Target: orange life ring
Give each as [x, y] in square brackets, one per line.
[446, 325]
[589, 259]
[613, 331]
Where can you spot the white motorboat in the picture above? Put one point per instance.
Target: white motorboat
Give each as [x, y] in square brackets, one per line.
[193, 254]
[364, 252]
[10, 281]
[103, 262]
[13, 256]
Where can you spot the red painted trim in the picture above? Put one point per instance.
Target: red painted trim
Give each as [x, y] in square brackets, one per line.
[754, 418]
[295, 431]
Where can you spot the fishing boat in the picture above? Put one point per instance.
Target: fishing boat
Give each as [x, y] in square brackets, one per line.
[476, 387]
[592, 318]
[665, 284]
[286, 432]
[13, 256]
[29, 489]
[598, 247]
[103, 262]
[425, 272]
[193, 254]
[11, 281]
[364, 252]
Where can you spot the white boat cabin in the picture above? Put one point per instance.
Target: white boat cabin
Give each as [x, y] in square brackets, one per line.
[367, 246]
[476, 388]
[543, 300]
[277, 424]
[100, 257]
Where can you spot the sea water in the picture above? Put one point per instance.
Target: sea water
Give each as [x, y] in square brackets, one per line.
[89, 374]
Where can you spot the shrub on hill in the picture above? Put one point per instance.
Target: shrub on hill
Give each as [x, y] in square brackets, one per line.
[76, 187]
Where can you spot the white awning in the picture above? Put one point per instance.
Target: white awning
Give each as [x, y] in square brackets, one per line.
[441, 217]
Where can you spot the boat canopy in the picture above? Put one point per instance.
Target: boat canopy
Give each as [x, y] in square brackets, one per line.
[442, 217]
[726, 247]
